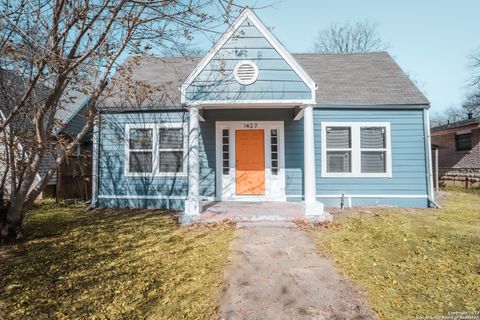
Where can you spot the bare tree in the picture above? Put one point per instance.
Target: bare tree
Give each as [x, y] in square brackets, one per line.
[471, 104]
[48, 47]
[452, 114]
[472, 101]
[360, 37]
[475, 64]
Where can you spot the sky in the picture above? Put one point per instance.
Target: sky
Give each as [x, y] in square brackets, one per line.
[430, 39]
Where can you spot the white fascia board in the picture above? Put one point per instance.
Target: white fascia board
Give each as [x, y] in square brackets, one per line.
[248, 13]
[259, 103]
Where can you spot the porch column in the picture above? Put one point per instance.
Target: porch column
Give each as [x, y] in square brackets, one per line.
[312, 206]
[192, 205]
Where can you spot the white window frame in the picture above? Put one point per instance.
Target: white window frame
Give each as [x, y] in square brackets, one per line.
[356, 150]
[156, 149]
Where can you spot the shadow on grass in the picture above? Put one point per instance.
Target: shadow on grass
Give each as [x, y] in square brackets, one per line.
[115, 263]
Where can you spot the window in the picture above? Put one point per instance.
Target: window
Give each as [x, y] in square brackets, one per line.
[373, 149]
[339, 149]
[226, 151]
[170, 149]
[140, 150]
[463, 141]
[274, 150]
[356, 149]
[155, 149]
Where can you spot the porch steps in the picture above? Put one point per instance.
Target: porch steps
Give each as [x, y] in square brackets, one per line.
[215, 212]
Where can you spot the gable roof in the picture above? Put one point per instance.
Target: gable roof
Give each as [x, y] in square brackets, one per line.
[360, 79]
[366, 79]
[249, 17]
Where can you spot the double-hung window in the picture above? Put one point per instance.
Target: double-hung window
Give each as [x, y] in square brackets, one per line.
[155, 149]
[170, 150]
[339, 149]
[140, 150]
[356, 149]
[373, 147]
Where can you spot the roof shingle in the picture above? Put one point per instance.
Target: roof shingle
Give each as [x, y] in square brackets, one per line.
[369, 79]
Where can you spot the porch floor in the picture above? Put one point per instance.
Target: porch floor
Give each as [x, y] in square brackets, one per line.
[242, 211]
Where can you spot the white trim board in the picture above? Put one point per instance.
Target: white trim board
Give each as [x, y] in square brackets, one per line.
[383, 196]
[112, 196]
[159, 197]
[248, 13]
[274, 184]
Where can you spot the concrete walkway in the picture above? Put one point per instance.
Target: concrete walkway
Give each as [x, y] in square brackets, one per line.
[275, 273]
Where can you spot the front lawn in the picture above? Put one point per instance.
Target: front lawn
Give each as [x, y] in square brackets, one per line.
[411, 262]
[111, 264]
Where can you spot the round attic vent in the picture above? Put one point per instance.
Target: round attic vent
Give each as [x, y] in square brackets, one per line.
[246, 72]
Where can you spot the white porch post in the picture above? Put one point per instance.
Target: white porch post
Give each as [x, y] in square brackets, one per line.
[192, 205]
[312, 206]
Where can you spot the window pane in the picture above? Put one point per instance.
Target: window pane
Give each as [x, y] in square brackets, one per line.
[226, 148]
[171, 161]
[338, 137]
[273, 132]
[463, 141]
[372, 138]
[171, 138]
[339, 161]
[140, 162]
[141, 138]
[373, 162]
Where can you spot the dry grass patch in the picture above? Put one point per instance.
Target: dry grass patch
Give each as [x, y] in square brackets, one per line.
[112, 264]
[411, 262]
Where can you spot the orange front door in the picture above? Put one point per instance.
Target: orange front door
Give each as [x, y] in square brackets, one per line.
[250, 162]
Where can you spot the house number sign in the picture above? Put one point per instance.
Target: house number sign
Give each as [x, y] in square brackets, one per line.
[250, 125]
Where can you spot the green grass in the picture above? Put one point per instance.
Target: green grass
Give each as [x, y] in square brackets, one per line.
[411, 262]
[112, 264]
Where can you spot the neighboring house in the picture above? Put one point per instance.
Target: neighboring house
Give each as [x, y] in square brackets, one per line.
[252, 122]
[69, 121]
[74, 176]
[459, 152]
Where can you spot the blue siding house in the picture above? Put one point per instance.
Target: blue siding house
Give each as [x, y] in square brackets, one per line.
[252, 122]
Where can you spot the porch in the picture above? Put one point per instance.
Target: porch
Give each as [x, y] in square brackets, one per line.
[268, 211]
[254, 155]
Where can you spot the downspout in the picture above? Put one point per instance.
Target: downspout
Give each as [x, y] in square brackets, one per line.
[95, 162]
[428, 158]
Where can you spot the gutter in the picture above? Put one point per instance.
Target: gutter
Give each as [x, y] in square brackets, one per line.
[370, 107]
[95, 162]
[428, 159]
